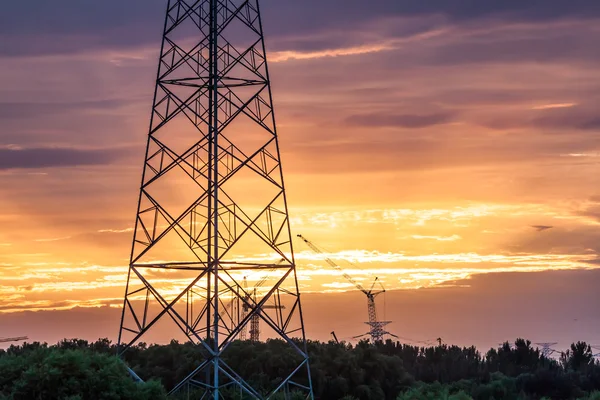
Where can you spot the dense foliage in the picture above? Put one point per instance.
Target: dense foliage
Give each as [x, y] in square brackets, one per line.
[76, 369]
[38, 372]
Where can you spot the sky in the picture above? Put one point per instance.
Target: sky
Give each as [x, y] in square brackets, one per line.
[448, 148]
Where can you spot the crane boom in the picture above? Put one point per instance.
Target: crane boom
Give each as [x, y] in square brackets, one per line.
[333, 264]
[269, 272]
[334, 336]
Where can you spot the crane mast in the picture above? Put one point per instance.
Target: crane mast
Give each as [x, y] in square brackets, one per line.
[377, 331]
[245, 310]
[255, 318]
[377, 328]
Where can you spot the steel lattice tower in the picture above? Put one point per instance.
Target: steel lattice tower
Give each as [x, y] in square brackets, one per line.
[212, 206]
[547, 349]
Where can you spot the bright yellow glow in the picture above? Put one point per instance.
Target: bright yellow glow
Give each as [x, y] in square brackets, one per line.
[409, 248]
[556, 105]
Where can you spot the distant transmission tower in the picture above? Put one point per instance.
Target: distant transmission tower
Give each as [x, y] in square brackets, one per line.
[212, 198]
[547, 349]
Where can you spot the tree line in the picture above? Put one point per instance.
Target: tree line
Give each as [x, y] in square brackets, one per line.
[81, 370]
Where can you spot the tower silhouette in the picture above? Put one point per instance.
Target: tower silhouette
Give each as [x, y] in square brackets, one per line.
[212, 207]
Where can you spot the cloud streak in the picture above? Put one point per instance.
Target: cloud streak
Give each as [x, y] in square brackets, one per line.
[556, 105]
[53, 239]
[49, 157]
[410, 121]
[282, 56]
[438, 238]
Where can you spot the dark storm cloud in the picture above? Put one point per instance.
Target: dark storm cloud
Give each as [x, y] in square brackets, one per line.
[399, 120]
[47, 27]
[575, 239]
[13, 158]
[553, 120]
[541, 228]
[574, 118]
[568, 45]
[313, 14]
[14, 110]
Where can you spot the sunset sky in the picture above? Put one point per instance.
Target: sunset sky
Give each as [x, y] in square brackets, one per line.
[423, 142]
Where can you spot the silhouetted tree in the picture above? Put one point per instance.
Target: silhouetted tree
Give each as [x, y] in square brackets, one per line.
[76, 370]
[579, 356]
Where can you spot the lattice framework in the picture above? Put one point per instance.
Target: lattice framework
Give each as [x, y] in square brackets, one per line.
[212, 198]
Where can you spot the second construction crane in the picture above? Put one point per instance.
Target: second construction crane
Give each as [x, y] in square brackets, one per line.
[377, 328]
[250, 298]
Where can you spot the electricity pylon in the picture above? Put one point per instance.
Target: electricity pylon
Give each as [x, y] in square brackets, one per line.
[212, 205]
[547, 349]
[597, 355]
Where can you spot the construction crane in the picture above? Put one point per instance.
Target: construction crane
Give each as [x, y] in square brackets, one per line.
[13, 339]
[250, 298]
[255, 318]
[377, 331]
